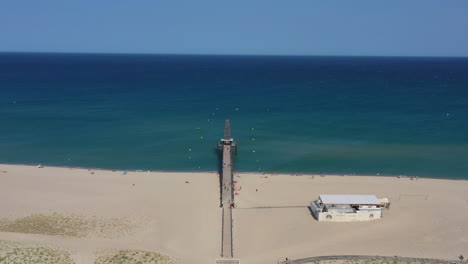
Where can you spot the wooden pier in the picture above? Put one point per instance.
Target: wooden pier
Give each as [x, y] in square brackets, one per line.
[227, 195]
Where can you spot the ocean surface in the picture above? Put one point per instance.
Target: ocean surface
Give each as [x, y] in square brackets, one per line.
[345, 115]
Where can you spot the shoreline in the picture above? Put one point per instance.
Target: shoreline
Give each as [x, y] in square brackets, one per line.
[239, 172]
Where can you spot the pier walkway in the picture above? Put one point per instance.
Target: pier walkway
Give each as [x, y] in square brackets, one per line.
[227, 201]
[227, 197]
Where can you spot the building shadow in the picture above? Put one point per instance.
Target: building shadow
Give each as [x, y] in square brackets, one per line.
[312, 213]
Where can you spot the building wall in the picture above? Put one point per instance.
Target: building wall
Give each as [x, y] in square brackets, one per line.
[348, 217]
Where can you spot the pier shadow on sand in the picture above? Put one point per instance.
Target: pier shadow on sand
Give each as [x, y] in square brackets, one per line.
[219, 158]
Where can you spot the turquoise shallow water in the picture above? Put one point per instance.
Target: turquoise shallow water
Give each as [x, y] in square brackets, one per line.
[299, 114]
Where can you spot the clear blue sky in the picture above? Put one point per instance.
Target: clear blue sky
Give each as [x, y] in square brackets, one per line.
[283, 27]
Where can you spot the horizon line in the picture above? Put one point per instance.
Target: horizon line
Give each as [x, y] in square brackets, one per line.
[222, 54]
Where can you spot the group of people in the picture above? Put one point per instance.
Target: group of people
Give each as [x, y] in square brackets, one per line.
[231, 185]
[411, 178]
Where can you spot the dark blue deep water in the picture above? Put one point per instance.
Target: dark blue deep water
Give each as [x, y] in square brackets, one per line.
[363, 115]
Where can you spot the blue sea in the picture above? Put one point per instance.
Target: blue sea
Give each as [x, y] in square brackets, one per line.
[345, 115]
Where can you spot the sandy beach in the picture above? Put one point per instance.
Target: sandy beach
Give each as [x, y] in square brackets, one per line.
[157, 212]
[427, 218]
[178, 215]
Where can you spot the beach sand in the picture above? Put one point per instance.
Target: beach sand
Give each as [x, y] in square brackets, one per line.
[427, 218]
[162, 213]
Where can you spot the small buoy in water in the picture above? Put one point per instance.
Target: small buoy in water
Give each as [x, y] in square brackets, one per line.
[237, 109]
[201, 137]
[378, 173]
[190, 157]
[189, 149]
[253, 128]
[257, 161]
[253, 139]
[253, 150]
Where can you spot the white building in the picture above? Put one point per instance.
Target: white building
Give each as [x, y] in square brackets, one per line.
[342, 208]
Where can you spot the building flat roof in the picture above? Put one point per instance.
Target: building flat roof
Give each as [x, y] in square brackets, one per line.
[348, 199]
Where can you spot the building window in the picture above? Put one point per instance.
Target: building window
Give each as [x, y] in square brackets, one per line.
[329, 217]
[371, 216]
